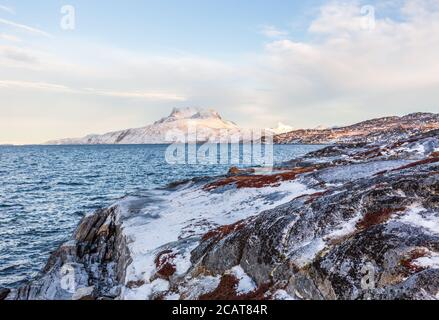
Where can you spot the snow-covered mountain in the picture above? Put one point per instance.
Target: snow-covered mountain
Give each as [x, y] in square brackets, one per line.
[179, 126]
[199, 125]
[280, 129]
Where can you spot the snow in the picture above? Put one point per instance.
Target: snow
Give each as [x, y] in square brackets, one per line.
[246, 284]
[182, 262]
[418, 148]
[418, 216]
[144, 292]
[199, 286]
[172, 297]
[176, 220]
[82, 292]
[282, 295]
[307, 252]
[345, 229]
[280, 129]
[358, 171]
[427, 262]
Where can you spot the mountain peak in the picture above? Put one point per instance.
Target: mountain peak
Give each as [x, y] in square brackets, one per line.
[184, 113]
[281, 128]
[190, 113]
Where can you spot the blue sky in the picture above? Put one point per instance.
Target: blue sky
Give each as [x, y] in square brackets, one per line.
[224, 27]
[258, 62]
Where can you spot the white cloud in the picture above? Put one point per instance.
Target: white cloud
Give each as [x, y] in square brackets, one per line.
[273, 32]
[16, 54]
[9, 37]
[7, 9]
[51, 87]
[11, 84]
[151, 96]
[338, 18]
[25, 28]
[344, 72]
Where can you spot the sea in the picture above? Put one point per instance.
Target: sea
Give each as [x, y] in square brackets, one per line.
[46, 190]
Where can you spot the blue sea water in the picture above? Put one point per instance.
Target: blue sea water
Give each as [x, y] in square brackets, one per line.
[46, 190]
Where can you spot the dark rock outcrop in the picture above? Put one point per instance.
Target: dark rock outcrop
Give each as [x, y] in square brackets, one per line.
[4, 293]
[91, 265]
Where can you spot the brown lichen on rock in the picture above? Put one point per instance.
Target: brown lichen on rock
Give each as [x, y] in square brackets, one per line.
[234, 171]
[223, 231]
[418, 163]
[257, 181]
[371, 219]
[165, 264]
[313, 197]
[135, 284]
[409, 258]
[226, 290]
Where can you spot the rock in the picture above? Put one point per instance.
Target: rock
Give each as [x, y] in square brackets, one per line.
[4, 292]
[97, 254]
[234, 171]
[324, 245]
[87, 293]
[366, 228]
[382, 130]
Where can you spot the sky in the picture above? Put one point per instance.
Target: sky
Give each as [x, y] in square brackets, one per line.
[71, 68]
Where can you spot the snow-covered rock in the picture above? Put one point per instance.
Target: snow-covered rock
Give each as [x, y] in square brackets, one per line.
[345, 222]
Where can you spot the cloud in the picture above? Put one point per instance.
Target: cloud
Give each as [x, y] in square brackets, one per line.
[18, 55]
[344, 72]
[11, 84]
[338, 18]
[151, 96]
[51, 87]
[7, 9]
[273, 32]
[25, 28]
[9, 37]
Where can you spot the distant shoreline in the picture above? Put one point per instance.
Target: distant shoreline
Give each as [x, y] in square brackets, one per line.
[146, 144]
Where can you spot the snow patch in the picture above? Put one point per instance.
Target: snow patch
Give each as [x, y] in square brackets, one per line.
[307, 253]
[282, 295]
[246, 284]
[429, 262]
[352, 172]
[345, 229]
[199, 286]
[146, 291]
[419, 216]
[176, 220]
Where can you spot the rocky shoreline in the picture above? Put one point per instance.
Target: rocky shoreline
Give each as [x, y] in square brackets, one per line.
[357, 221]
